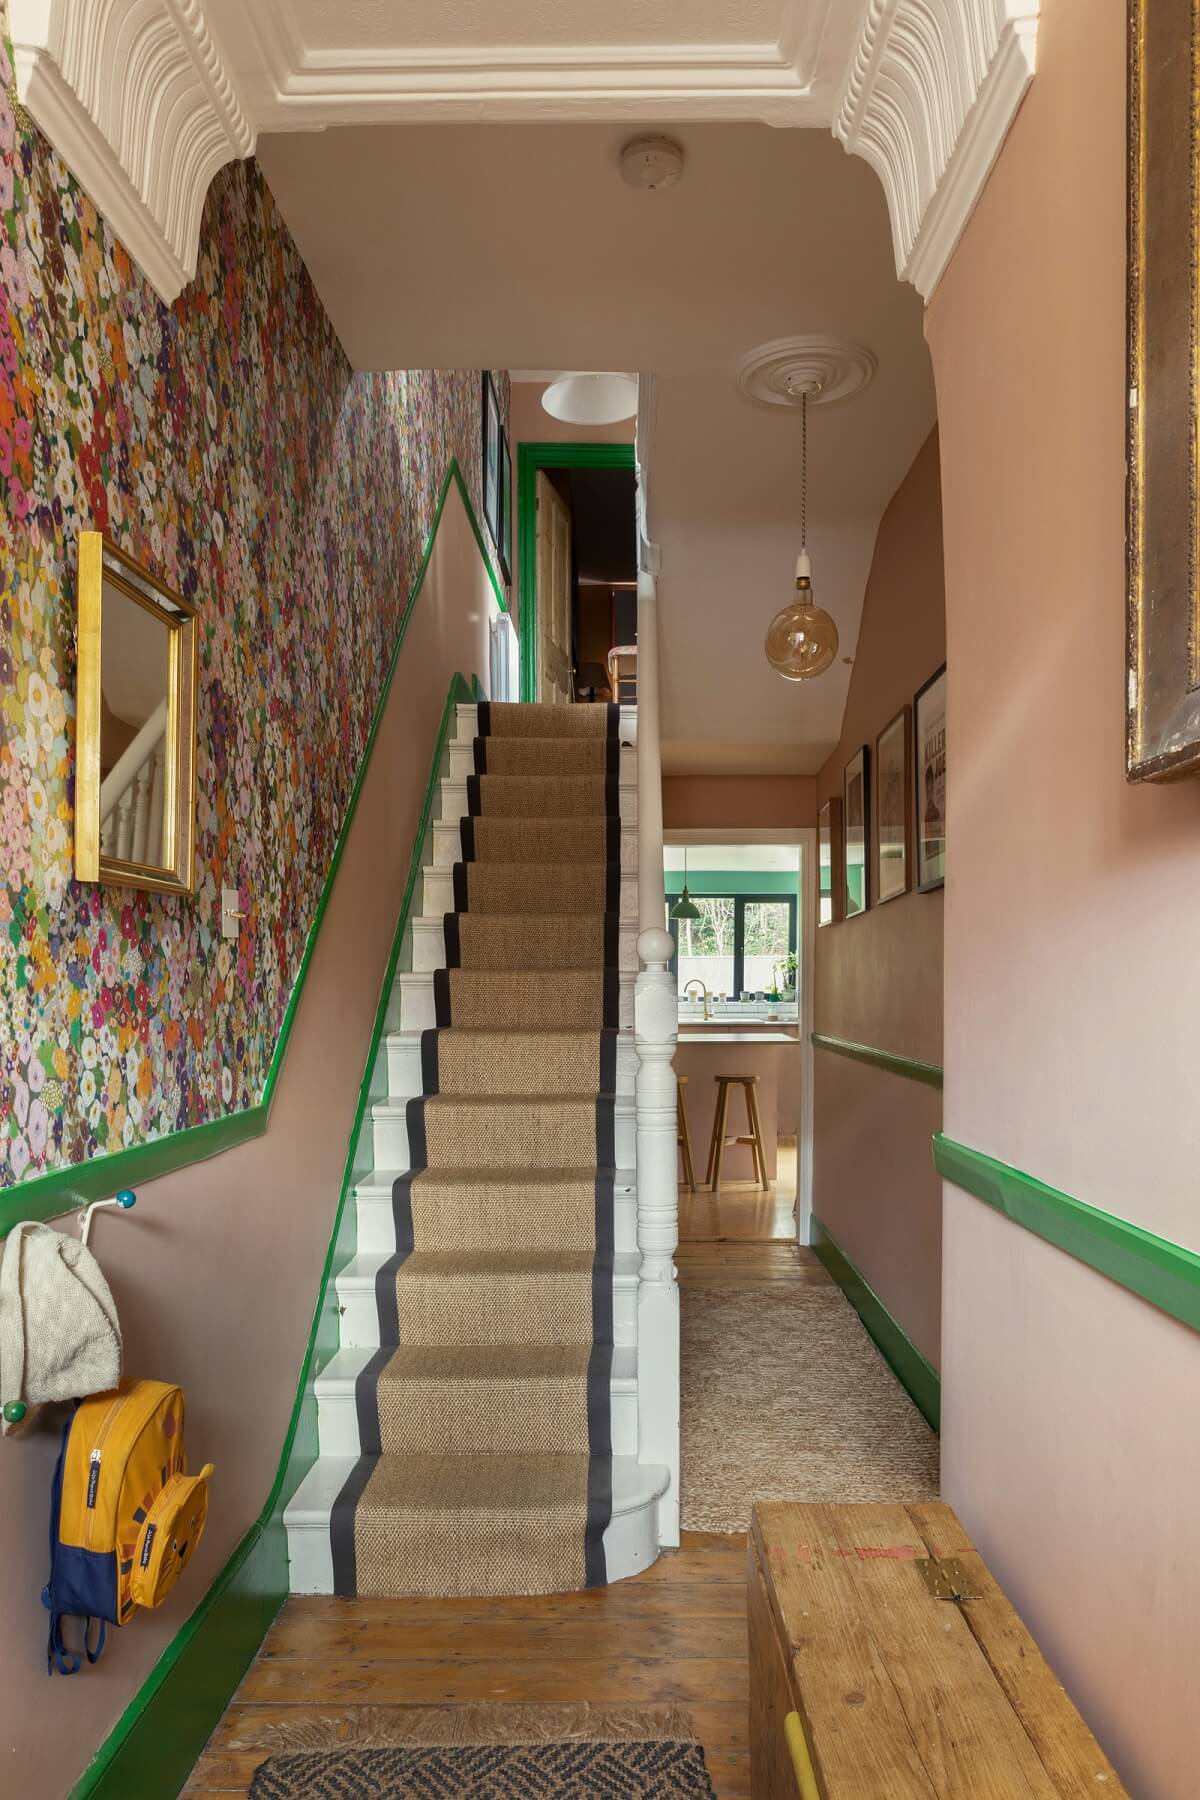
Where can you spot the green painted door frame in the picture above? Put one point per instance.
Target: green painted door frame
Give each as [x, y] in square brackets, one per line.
[531, 458]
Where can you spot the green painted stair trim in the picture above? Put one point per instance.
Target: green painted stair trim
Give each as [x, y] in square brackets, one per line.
[913, 1371]
[59, 1190]
[912, 1070]
[531, 458]
[151, 1750]
[1165, 1274]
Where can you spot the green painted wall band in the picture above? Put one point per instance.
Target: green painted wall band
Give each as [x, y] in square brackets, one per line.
[930, 1074]
[150, 1752]
[531, 458]
[1163, 1273]
[60, 1190]
[915, 1373]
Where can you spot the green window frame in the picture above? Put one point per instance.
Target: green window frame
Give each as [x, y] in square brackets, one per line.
[740, 903]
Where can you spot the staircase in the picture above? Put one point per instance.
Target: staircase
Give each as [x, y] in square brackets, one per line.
[479, 1423]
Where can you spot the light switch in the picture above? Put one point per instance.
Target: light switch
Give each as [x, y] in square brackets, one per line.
[231, 912]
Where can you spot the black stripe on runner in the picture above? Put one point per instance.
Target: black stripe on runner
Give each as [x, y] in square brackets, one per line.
[606, 1131]
[481, 756]
[429, 1060]
[612, 940]
[612, 837]
[608, 1062]
[473, 796]
[466, 837]
[612, 757]
[341, 1528]
[614, 720]
[612, 794]
[414, 1118]
[484, 718]
[441, 997]
[453, 948]
[459, 880]
[612, 999]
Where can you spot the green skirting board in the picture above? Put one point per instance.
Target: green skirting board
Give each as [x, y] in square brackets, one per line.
[917, 1375]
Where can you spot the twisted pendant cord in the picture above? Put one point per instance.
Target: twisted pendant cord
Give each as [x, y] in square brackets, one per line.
[804, 472]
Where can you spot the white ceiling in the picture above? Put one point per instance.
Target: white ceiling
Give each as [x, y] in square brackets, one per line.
[519, 246]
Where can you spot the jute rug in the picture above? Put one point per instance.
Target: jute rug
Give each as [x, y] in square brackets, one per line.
[483, 1418]
[785, 1397]
[489, 1753]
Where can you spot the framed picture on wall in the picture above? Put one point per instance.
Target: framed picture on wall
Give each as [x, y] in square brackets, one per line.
[830, 872]
[504, 541]
[929, 799]
[491, 458]
[893, 784]
[1162, 723]
[856, 814]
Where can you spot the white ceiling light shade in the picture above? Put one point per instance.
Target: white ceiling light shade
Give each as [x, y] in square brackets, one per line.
[592, 399]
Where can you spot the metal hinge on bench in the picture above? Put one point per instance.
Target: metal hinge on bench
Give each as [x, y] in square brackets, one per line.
[947, 1579]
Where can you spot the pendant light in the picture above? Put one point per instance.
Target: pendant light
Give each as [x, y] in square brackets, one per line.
[802, 640]
[685, 907]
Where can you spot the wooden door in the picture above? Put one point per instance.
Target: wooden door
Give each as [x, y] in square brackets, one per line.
[553, 595]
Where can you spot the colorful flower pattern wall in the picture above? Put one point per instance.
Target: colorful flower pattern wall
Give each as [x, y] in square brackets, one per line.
[226, 442]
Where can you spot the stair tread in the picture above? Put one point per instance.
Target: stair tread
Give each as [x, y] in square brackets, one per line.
[398, 1103]
[362, 1269]
[445, 1479]
[343, 1368]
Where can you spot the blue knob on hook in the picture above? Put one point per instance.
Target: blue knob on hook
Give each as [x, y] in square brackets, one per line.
[127, 1198]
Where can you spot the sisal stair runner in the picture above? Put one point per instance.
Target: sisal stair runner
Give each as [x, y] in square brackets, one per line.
[484, 1429]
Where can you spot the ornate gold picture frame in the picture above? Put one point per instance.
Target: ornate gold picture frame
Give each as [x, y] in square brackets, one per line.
[1163, 649]
[135, 736]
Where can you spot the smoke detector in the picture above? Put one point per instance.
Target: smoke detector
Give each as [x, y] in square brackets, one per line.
[651, 162]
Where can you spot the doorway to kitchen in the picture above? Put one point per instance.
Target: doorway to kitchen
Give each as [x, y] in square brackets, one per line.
[743, 933]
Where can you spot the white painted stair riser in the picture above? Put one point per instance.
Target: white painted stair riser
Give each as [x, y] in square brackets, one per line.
[466, 725]
[417, 1011]
[630, 1538]
[447, 844]
[360, 1313]
[337, 1410]
[404, 1064]
[390, 1132]
[437, 894]
[462, 764]
[429, 946]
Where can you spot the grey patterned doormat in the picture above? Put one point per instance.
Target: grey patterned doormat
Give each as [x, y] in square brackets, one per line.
[566, 1771]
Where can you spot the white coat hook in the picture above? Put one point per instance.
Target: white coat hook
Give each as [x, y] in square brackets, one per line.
[125, 1199]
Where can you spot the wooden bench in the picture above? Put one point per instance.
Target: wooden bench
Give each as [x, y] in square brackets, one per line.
[886, 1664]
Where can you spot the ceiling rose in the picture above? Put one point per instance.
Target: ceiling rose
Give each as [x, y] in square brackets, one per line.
[826, 368]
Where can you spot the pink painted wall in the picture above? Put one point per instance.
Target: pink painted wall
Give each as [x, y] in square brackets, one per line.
[879, 976]
[742, 802]
[216, 1273]
[529, 423]
[1072, 978]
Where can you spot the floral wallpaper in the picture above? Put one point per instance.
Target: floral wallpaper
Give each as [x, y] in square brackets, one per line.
[226, 442]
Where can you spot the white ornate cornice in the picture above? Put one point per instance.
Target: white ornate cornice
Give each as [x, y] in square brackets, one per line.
[931, 90]
[137, 100]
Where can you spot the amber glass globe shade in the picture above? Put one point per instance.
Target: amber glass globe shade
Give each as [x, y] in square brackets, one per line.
[802, 640]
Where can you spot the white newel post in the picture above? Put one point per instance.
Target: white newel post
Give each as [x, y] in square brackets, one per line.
[655, 1029]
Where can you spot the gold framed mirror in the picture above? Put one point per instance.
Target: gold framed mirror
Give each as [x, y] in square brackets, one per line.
[135, 761]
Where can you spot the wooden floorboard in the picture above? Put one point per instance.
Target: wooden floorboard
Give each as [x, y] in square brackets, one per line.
[675, 1635]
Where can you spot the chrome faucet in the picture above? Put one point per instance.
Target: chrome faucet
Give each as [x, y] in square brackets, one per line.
[687, 994]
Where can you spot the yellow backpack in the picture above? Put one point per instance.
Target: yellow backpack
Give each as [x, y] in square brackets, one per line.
[125, 1516]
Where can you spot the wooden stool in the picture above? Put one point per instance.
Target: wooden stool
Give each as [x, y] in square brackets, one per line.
[683, 1137]
[717, 1147]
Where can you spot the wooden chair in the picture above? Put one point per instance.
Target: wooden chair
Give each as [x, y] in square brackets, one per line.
[622, 673]
[683, 1135]
[753, 1139]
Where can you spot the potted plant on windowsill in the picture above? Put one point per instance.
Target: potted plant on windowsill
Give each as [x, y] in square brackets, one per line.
[785, 979]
